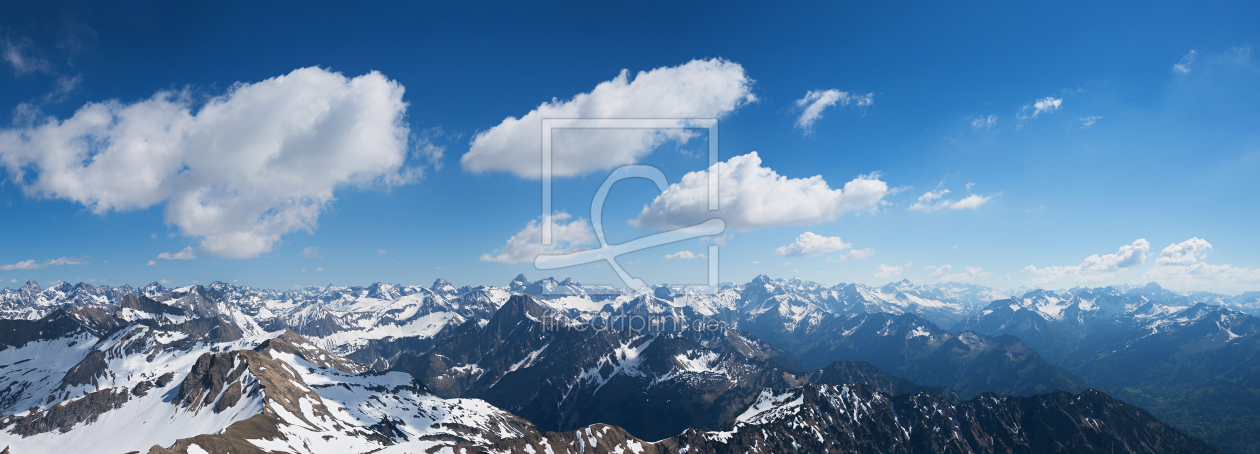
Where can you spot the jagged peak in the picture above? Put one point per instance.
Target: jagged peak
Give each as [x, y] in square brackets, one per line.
[442, 286]
[32, 286]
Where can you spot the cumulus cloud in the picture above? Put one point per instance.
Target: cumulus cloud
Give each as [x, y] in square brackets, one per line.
[1185, 253]
[186, 254]
[935, 200]
[238, 171]
[891, 270]
[984, 122]
[811, 244]
[1183, 66]
[698, 89]
[33, 265]
[526, 245]
[1047, 105]
[1095, 267]
[815, 101]
[311, 252]
[683, 255]
[752, 197]
[1183, 264]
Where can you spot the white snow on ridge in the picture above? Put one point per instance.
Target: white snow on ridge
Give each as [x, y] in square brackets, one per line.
[770, 407]
[344, 342]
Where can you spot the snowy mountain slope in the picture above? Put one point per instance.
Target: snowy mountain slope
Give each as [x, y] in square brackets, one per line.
[207, 389]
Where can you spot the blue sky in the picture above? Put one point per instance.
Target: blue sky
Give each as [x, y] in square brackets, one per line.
[1103, 143]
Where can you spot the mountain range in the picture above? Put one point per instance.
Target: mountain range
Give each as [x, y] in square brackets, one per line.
[678, 365]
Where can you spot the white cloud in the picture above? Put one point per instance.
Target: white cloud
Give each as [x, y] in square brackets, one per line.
[698, 89]
[63, 86]
[935, 200]
[811, 244]
[752, 196]
[33, 265]
[928, 201]
[526, 245]
[238, 171]
[186, 254]
[19, 57]
[938, 271]
[152, 262]
[1182, 264]
[428, 150]
[970, 202]
[1089, 121]
[1095, 267]
[891, 270]
[972, 273]
[311, 252]
[1048, 104]
[683, 255]
[319, 269]
[984, 122]
[856, 254]
[815, 101]
[382, 251]
[1185, 253]
[1183, 66]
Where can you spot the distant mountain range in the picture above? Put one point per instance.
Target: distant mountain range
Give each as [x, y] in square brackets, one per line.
[1190, 363]
[679, 365]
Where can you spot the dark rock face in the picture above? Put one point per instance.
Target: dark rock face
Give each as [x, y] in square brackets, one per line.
[62, 417]
[58, 324]
[206, 380]
[87, 371]
[856, 418]
[146, 304]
